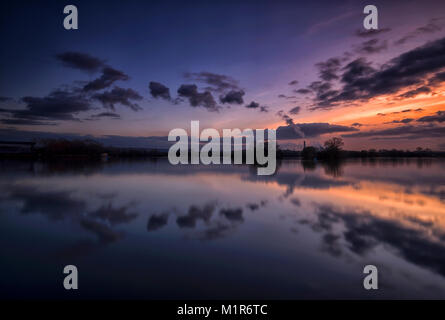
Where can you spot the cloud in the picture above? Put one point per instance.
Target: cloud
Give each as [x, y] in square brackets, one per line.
[398, 112]
[86, 62]
[438, 117]
[437, 79]
[256, 105]
[406, 120]
[253, 206]
[302, 130]
[108, 77]
[402, 132]
[329, 68]
[361, 82]
[233, 96]
[80, 61]
[302, 91]
[26, 122]
[216, 82]
[415, 92]
[119, 96]
[158, 90]
[371, 33]
[293, 82]
[5, 99]
[195, 98]
[104, 233]
[356, 124]
[232, 214]
[113, 215]
[372, 46]
[157, 221]
[55, 205]
[111, 115]
[295, 110]
[58, 105]
[363, 230]
[434, 25]
[283, 96]
[196, 213]
[285, 117]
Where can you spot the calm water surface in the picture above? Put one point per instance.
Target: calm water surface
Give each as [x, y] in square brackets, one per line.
[147, 229]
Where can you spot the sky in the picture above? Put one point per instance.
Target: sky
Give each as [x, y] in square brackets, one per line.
[135, 70]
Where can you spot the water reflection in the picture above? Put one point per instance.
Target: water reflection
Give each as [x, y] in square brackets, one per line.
[304, 232]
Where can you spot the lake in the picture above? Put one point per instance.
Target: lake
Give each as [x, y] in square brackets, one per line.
[150, 230]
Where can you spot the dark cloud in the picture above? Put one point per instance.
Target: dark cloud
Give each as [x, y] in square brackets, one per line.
[256, 105]
[103, 232]
[285, 117]
[361, 82]
[406, 120]
[402, 132]
[253, 206]
[232, 214]
[371, 33]
[253, 105]
[362, 231]
[65, 104]
[322, 90]
[398, 112]
[26, 122]
[371, 46]
[81, 61]
[233, 96]
[158, 90]
[113, 215]
[215, 82]
[195, 98]
[438, 117]
[329, 68]
[196, 213]
[434, 25]
[157, 221]
[356, 124]
[108, 77]
[283, 96]
[415, 92]
[293, 82]
[301, 130]
[119, 96]
[55, 205]
[295, 110]
[111, 115]
[437, 79]
[217, 231]
[302, 91]
[58, 105]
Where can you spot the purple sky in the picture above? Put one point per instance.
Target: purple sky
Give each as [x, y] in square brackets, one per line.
[142, 68]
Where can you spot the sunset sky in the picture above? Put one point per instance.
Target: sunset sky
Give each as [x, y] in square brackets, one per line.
[138, 69]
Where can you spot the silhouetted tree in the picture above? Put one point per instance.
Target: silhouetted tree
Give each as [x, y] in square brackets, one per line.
[332, 148]
[334, 144]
